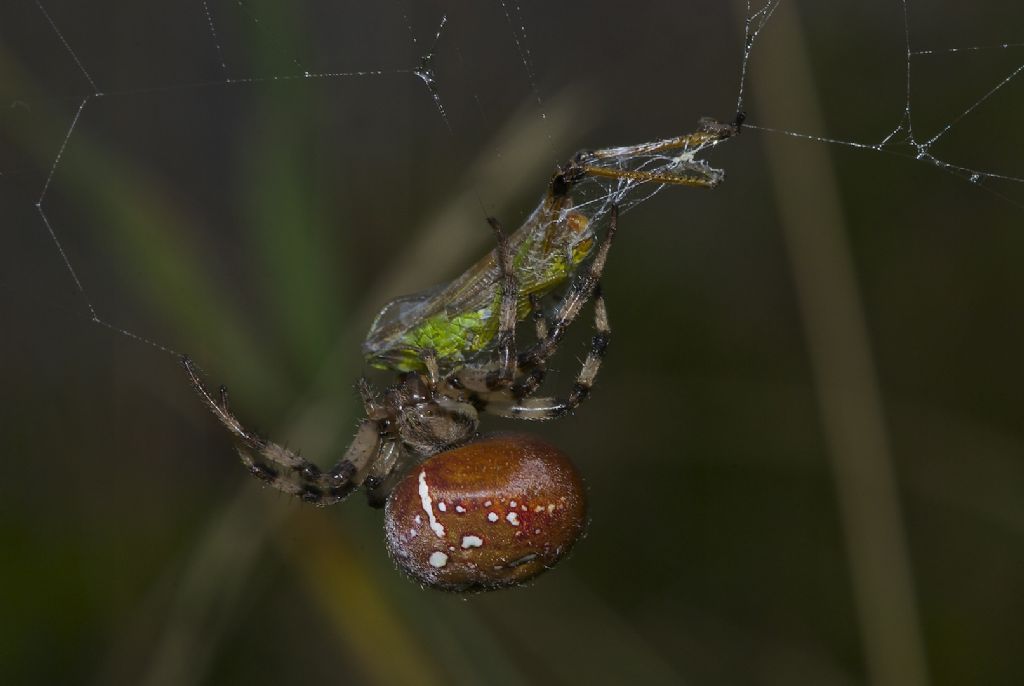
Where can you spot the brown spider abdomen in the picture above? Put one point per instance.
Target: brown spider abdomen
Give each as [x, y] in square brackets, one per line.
[486, 515]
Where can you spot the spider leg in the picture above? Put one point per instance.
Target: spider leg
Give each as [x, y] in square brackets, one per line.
[507, 312]
[491, 376]
[540, 321]
[479, 380]
[582, 289]
[282, 468]
[480, 377]
[370, 404]
[537, 373]
[511, 404]
[598, 344]
[433, 376]
[383, 474]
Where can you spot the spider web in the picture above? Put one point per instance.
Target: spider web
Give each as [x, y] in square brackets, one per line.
[921, 136]
[219, 67]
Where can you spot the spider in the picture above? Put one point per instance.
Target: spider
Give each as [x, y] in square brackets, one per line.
[430, 416]
[432, 419]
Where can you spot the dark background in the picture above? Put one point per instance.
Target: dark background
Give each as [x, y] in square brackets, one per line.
[258, 225]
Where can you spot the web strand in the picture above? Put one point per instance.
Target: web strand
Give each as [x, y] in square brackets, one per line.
[244, 7]
[67, 46]
[63, 253]
[901, 140]
[978, 103]
[752, 26]
[970, 48]
[423, 72]
[522, 47]
[903, 133]
[46, 220]
[216, 41]
[426, 74]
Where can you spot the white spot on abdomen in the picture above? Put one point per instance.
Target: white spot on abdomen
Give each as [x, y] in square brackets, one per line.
[513, 518]
[471, 541]
[492, 516]
[428, 507]
[438, 559]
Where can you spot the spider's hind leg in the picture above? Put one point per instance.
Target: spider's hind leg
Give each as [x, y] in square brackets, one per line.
[282, 468]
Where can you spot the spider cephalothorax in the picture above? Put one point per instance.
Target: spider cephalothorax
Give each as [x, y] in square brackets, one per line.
[422, 420]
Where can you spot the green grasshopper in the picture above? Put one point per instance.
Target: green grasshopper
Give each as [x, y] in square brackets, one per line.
[455, 321]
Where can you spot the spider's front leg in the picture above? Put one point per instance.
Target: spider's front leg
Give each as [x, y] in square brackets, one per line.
[514, 402]
[500, 375]
[583, 288]
[283, 469]
[507, 310]
[482, 378]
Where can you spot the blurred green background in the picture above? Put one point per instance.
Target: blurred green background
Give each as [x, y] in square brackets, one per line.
[803, 452]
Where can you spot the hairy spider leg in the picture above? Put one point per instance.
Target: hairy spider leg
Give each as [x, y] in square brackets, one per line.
[433, 376]
[507, 311]
[537, 373]
[367, 396]
[529, 385]
[383, 475]
[490, 376]
[514, 401]
[550, 407]
[283, 469]
[479, 380]
[540, 321]
[580, 292]
[481, 377]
